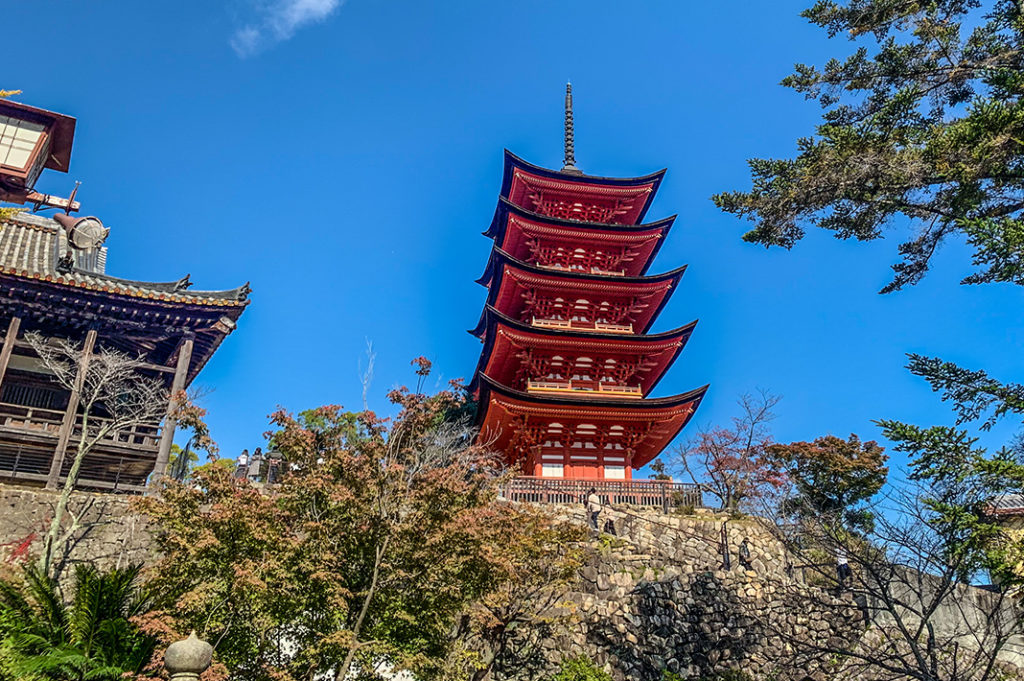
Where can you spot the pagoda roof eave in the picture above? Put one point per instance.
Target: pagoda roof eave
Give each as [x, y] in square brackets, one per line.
[499, 226]
[492, 319]
[500, 257]
[677, 410]
[494, 285]
[488, 385]
[491, 313]
[138, 317]
[512, 162]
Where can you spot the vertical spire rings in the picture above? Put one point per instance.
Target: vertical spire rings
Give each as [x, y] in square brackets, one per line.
[569, 165]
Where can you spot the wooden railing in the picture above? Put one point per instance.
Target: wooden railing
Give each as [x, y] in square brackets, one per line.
[591, 270]
[609, 389]
[664, 494]
[579, 325]
[116, 473]
[48, 421]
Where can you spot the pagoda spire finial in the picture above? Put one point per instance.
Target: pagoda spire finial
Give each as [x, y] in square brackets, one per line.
[569, 163]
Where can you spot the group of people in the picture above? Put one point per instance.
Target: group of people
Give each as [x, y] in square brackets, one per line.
[258, 467]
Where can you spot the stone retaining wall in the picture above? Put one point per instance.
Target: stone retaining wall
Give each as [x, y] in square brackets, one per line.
[656, 602]
[110, 534]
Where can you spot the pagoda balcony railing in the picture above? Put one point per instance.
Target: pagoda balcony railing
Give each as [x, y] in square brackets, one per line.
[47, 422]
[587, 270]
[580, 325]
[663, 494]
[591, 387]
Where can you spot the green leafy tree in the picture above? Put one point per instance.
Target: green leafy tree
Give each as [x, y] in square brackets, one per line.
[962, 480]
[922, 126]
[659, 469]
[93, 637]
[364, 558]
[580, 668]
[910, 569]
[832, 476]
[922, 122]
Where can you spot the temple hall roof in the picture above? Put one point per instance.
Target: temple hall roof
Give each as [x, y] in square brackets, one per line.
[32, 246]
[61, 291]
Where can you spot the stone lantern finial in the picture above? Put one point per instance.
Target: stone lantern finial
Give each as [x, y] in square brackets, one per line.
[186, 660]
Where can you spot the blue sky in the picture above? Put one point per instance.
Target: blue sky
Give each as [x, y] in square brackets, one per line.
[344, 158]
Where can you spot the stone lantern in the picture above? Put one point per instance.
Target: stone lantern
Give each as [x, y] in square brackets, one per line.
[32, 139]
[186, 660]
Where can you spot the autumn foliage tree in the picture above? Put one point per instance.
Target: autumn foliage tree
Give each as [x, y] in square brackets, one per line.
[831, 476]
[378, 540]
[732, 463]
[534, 558]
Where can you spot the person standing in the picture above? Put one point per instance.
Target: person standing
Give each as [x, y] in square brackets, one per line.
[255, 465]
[842, 567]
[242, 469]
[593, 505]
[724, 545]
[745, 554]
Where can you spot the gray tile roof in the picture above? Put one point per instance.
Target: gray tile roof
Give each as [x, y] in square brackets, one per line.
[1008, 503]
[32, 246]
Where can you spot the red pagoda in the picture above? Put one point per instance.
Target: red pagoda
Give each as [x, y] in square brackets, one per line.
[567, 362]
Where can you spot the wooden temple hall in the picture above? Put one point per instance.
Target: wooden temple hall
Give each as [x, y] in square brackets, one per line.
[53, 281]
[568, 362]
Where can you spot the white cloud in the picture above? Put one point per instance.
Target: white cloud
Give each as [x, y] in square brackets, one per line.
[278, 20]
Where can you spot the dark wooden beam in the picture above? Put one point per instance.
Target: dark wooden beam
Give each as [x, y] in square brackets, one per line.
[70, 414]
[9, 340]
[163, 454]
[141, 365]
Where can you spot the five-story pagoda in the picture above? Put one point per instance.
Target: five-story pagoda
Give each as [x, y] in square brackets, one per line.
[567, 361]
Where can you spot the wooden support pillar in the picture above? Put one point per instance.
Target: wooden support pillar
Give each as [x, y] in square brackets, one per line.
[177, 384]
[67, 426]
[9, 339]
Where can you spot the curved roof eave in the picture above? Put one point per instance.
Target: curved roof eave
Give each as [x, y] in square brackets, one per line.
[490, 311]
[489, 385]
[512, 161]
[487, 336]
[499, 256]
[497, 226]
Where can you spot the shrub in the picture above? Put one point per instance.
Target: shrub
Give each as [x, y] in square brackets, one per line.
[580, 668]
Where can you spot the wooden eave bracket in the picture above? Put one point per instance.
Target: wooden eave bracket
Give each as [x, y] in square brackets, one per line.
[39, 200]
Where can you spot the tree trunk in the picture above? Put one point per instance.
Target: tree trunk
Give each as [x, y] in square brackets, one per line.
[50, 544]
[346, 666]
